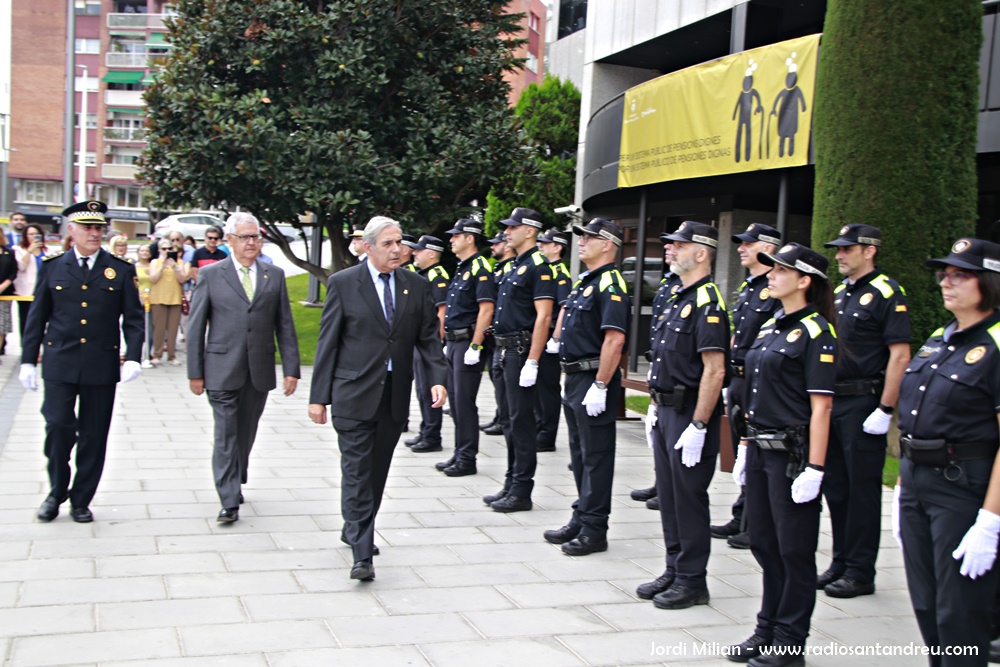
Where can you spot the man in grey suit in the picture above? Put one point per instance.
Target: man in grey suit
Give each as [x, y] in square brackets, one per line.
[374, 317]
[244, 305]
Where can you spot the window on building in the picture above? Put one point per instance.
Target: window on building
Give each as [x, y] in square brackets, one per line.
[531, 63]
[533, 21]
[125, 155]
[125, 197]
[89, 7]
[91, 159]
[572, 17]
[41, 192]
[91, 121]
[90, 84]
[88, 46]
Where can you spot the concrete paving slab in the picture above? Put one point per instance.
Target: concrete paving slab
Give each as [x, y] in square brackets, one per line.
[166, 613]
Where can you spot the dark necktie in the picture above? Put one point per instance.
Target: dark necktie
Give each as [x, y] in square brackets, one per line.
[85, 267]
[390, 310]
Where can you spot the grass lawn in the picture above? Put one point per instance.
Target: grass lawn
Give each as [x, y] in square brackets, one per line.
[889, 472]
[306, 319]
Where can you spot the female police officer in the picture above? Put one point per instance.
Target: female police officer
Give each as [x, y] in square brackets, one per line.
[949, 490]
[790, 373]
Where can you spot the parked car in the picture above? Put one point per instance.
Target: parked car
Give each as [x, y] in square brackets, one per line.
[188, 224]
[652, 272]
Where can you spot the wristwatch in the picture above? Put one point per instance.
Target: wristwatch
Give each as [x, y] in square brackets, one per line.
[531, 362]
[600, 385]
[887, 409]
[474, 346]
[699, 424]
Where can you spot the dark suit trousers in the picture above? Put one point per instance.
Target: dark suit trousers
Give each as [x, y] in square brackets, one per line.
[365, 454]
[89, 433]
[592, 451]
[236, 415]
[736, 388]
[549, 399]
[520, 431]
[430, 418]
[465, 380]
[502, 416]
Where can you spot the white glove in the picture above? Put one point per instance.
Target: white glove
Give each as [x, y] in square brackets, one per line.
[596, 400]
[552, 346]
[692, 441]
[130, 371]
[529, 375]
[978, 549]
[877, 423]
[806, 486]
[895, 516]
[650, 423]
[471, 357]
[29, 377]
[740, 466]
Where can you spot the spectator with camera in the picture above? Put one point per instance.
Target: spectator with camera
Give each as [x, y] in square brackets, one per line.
[167, 275]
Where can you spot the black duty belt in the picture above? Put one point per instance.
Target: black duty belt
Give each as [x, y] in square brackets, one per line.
[940, 452]
[581, 365]
[739, 368]
[512, 340]
[458, 334]
[869, 386]
[776, 439]
[670, 399]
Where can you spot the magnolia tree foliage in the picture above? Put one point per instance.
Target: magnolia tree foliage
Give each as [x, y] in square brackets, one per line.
[345, 108]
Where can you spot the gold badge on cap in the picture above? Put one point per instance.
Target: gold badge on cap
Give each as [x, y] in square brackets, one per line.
[787, 248]
[961, 245]
[793, 335]
[681, 228]
[589, 290]
[750, 228]
[844, 230]
[465, 276]
[975, 354]
[94, 206]
[866, 299]
[765, 294]
[686, 310]
[109, 273]
[521, 270]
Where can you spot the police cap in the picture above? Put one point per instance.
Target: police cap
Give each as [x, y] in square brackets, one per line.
[856, 235]
[603, 228]
[466, 226]
[759, 232]
[798, 257]
[973, 254]
[695, 232]
[89, 212]
[523, 216]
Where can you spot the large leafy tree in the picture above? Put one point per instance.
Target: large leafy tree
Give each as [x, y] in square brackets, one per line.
[545, 178]
[895, 133]
[345, 108]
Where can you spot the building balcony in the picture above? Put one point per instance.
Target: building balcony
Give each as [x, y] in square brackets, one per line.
[136, 21]
[123, 98]
[122, 134]
[125, 172]
[113, 59]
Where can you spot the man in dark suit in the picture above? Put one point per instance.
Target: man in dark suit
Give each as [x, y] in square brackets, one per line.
[244, 304]
[364, 372]
[79, 297]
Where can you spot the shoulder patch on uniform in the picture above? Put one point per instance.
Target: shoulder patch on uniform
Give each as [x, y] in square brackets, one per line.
[615, 297]
[122, 259]
[49, 257]
[901, 308]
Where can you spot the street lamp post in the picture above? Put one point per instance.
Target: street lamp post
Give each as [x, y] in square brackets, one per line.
[4, 157]
[81, 180]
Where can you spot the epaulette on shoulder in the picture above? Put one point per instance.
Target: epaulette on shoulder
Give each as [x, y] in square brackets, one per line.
[48, 257]
[127, 260]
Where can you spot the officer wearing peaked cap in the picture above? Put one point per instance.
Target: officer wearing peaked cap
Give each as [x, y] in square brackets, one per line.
[427, 257]
[79, 297]
[873, 330]
[553, 244]
[502, 256]
[409, 242]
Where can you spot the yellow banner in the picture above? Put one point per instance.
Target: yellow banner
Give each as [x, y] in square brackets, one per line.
[745, 112]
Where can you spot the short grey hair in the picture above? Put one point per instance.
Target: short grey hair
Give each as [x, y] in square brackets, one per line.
[375, 227]
[240, 218]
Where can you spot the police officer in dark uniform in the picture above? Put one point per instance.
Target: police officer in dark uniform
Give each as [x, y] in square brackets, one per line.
[427, 256]
[503, 256]
[468, 313]
[790, 371]
[79, 297]
[670, 283]
[689, 361]
[552, 244]
[873, 328]
[593, 329]
[521, 328]
[948, 494]
[753, 307]
[406, 254]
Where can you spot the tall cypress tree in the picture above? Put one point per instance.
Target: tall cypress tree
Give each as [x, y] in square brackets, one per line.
[895, 133]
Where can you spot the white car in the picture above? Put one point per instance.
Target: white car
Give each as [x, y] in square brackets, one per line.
[188, 224]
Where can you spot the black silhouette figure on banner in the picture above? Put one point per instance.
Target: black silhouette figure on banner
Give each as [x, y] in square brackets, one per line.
[745, 109]
[786, 108]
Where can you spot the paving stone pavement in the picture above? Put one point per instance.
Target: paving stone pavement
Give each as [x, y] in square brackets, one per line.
[156, 582]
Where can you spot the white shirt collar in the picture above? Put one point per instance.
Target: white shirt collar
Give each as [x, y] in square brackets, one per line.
[90, 262]
[252, 267]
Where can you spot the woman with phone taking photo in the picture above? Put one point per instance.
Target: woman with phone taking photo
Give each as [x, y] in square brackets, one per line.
[167, 273]
[28, 254]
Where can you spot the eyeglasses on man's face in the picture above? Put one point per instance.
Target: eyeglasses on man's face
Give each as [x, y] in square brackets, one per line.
[211, 238]
[246, 238]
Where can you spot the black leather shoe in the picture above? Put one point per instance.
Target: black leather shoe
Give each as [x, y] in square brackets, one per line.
[423, 447]
[739, 541]
[745, 650]
[511, 503]
[492, 498]
[679, 596]
[241, 498]
[459, 469]
[441, 465]
[229, 515]
[584, 546]
[545, 447]
[49, 509]
[496, 429]
[653, 504]
[846, 587]
[650, 589]
[642, 495]
[483, 427]
[363, 570]
[827, 578]
[725, 530]
[81, 514]
[561, 535]
[409, 442]
[787, 658]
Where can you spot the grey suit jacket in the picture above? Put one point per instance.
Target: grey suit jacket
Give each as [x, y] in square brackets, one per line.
[355, 344]
[240, 346]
